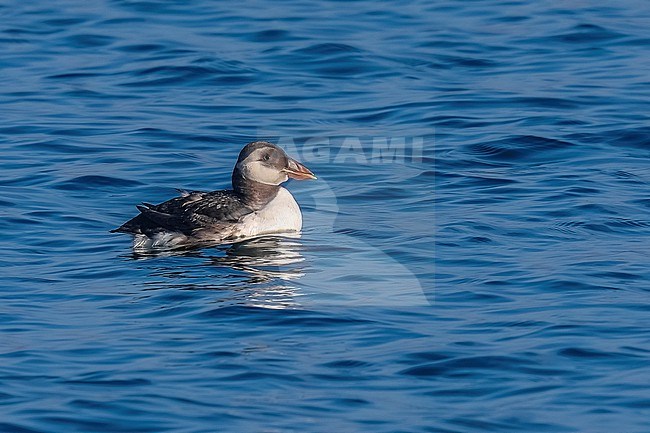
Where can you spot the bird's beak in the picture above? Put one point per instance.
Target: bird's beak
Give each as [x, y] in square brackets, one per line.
[296, 170]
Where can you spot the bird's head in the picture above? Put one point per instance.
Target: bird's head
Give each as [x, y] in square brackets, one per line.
[266, 163]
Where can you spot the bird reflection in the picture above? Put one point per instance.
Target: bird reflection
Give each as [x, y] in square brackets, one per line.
[256, 272]
[264, 259]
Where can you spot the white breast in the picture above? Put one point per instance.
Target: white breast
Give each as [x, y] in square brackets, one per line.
[281, 215]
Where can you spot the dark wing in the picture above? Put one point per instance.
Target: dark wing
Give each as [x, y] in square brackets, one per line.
[187, 213]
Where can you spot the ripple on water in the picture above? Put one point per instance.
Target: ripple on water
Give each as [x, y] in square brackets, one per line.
[96, 182]
[520, 148]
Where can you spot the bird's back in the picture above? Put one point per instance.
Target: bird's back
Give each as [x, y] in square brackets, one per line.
[188, 214]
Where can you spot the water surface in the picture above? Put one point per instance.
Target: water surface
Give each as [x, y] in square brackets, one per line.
[494, 279]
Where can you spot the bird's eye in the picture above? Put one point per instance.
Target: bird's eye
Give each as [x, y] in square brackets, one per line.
[266, 157]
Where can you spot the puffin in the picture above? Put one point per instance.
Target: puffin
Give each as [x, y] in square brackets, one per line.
[257, 205]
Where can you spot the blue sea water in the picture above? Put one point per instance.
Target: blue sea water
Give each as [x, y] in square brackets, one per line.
[493, 277]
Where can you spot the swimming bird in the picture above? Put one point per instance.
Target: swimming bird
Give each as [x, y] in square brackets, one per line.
[256, 205]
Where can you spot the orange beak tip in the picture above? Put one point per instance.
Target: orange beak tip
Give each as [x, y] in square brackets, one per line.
[298, 171]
